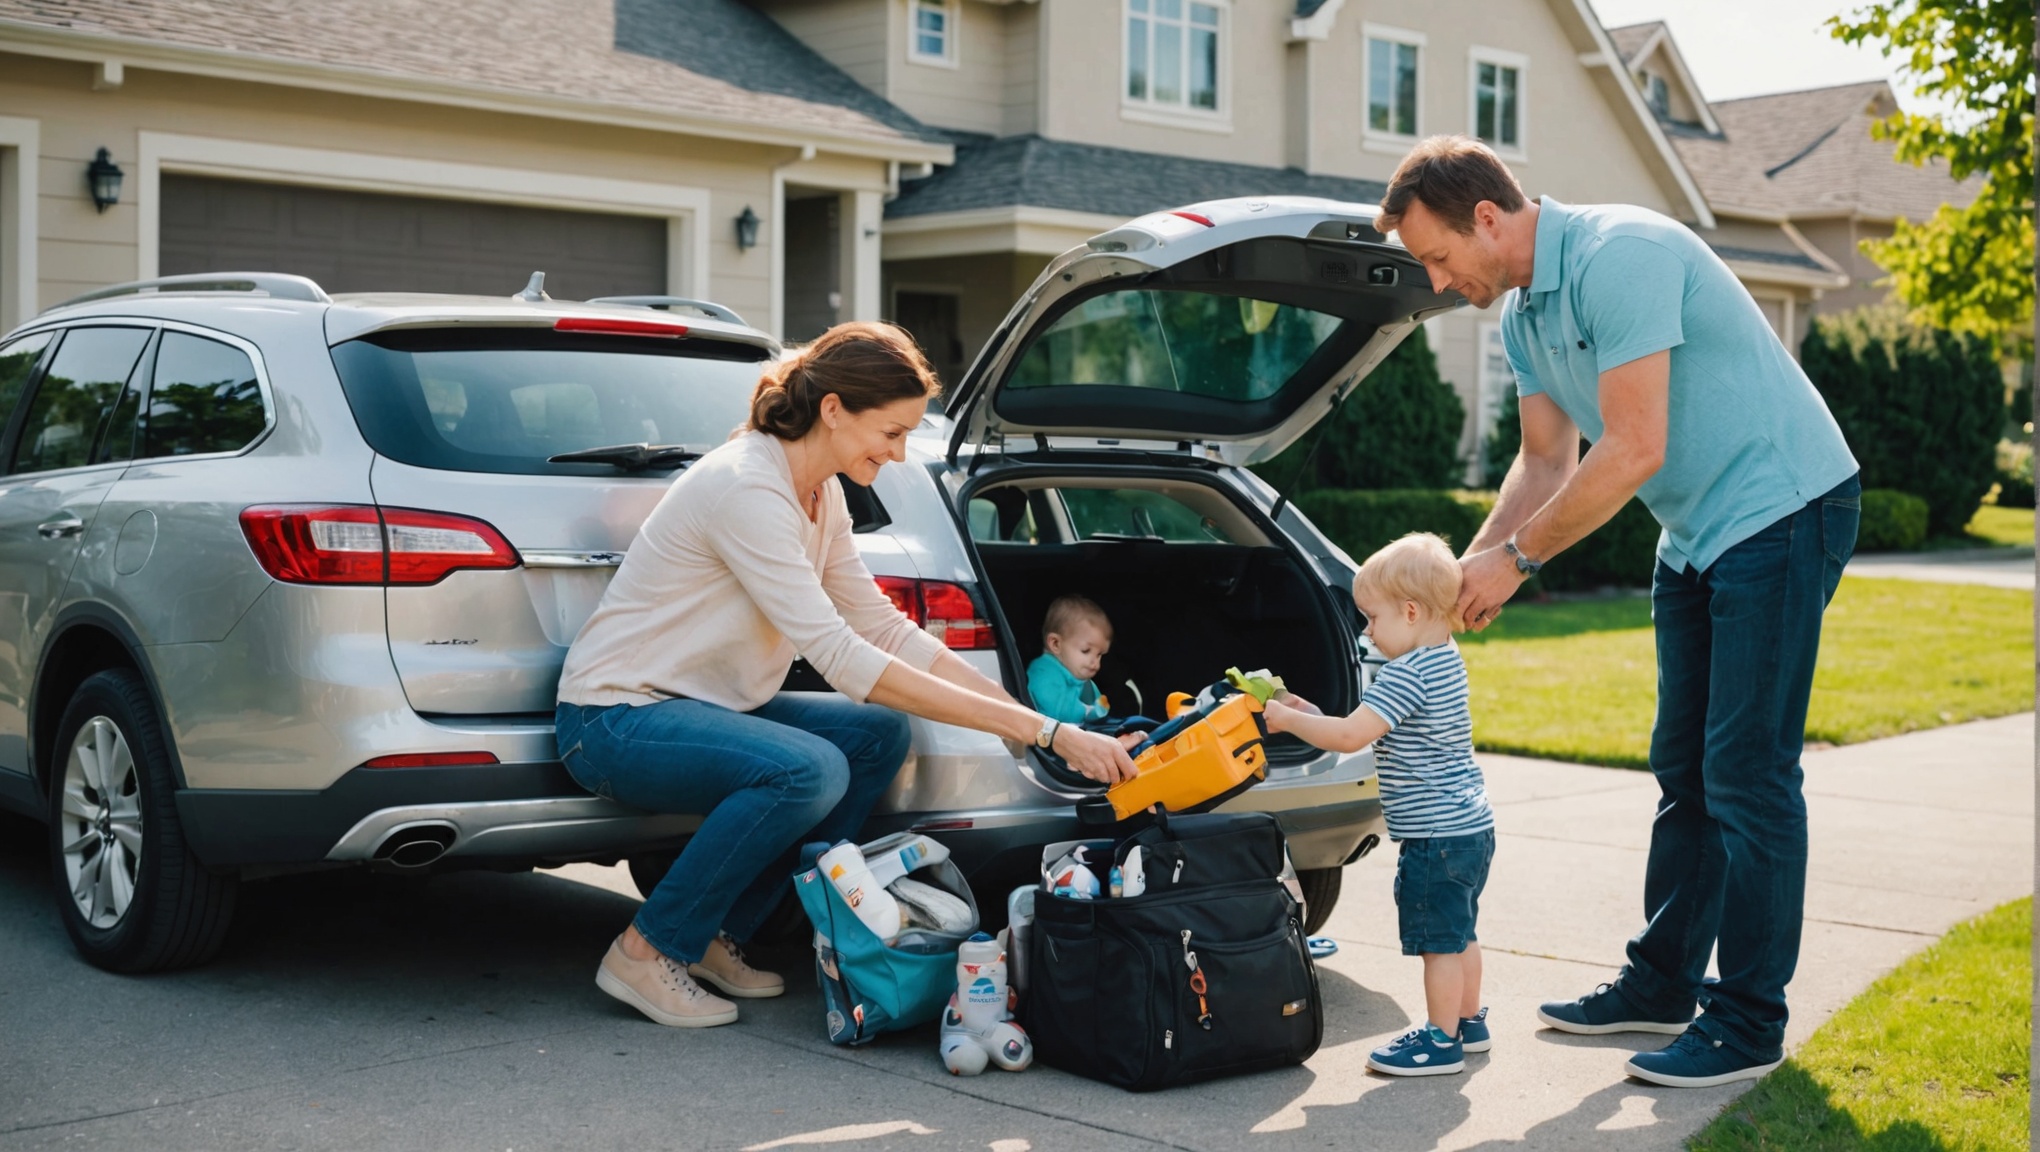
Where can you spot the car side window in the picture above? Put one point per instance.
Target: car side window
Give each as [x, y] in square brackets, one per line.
[1127, 513]
[204, 398]
[17, 364]
[79, 390]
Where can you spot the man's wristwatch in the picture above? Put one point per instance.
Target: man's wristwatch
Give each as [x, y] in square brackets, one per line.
[1046, 737]
[1524, 564]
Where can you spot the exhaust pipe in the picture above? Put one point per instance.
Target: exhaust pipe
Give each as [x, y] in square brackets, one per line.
[416, 845]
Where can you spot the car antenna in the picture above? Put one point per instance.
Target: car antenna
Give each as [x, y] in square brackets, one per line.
[534, 292]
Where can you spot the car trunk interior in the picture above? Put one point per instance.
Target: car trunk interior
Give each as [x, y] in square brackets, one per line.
[1183, 610]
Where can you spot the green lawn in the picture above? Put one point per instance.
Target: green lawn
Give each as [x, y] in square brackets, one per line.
[1932, 1058]
[1577, 680]
[1995, 525]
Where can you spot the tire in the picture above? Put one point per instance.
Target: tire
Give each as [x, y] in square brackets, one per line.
[131, 894]
[788, 923]
[1320, 895]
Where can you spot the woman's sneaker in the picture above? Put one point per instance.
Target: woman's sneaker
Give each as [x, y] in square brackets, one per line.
[1605, 1010]
[1421, 1051]
[1697, 1060]
[1473, 1033]
[662, 990]
[724, 966]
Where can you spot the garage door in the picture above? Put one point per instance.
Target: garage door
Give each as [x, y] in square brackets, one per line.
[364, 242]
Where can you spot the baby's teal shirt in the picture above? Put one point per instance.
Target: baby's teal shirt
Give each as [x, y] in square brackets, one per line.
[1059, 695]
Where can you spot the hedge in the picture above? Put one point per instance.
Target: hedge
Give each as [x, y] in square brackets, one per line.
[1620, 553]
[1893, 521]
[1922, 409]
[1399, 428]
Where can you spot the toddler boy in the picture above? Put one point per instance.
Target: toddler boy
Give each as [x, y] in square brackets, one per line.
[1415, 713]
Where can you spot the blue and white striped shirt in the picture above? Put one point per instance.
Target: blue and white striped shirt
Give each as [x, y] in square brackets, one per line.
[1430, 785]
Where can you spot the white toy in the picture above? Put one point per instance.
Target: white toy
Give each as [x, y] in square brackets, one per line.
[977, 1027]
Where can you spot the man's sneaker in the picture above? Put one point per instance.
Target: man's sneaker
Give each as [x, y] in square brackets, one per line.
[1421, 1051]
[662, 990]
[1605, 1010]
[1696, 1060]
[723, 965]
[1473, 1033]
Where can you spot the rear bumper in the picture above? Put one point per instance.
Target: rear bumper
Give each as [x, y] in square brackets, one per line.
[524, 812]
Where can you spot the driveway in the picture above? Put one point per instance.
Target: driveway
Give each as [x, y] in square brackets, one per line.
[459, 1012]
[1996, 567]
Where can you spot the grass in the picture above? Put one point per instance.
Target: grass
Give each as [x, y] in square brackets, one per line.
[1932, 1058]
[1995, 526]
[1577, 680]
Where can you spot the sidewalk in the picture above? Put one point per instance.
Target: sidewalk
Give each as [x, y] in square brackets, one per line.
[1996, 567]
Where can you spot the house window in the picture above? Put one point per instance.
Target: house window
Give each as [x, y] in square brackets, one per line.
[1172, 51]
[934, 31]
[1392, 82]
[1497, 98]
[1655, 93]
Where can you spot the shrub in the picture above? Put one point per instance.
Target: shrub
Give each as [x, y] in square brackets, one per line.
[1499, 451]
[1399, 428]
[2014, 474]
[1893, 521]
[1921, 408]
[1621, 552]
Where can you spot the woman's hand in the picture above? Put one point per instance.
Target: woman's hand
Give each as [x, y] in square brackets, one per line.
[1096, 756]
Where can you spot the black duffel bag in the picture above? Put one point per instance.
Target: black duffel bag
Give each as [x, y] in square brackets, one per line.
[1206, 974]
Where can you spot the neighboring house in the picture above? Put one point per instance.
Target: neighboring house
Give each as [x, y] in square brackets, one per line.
[443, 145]
[1804, 161]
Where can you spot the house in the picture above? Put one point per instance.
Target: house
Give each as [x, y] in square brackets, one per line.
[1804, 162]
[623, 146]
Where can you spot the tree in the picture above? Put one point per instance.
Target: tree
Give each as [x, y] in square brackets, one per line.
[1498, 455]
[1399, 428]
[1963, 269]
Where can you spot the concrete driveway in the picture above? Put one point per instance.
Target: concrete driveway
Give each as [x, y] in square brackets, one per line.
[1994, 567]
[459, 1012]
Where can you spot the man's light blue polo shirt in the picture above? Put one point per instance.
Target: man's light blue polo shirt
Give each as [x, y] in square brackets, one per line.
[1749, 440]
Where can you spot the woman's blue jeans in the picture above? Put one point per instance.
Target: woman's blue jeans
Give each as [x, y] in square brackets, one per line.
[1736, 646]
[802, 767]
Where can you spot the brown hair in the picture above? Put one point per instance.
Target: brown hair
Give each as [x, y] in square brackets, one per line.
[1449, 175]
[866, 364]
[1066, 612]
[1418, 567]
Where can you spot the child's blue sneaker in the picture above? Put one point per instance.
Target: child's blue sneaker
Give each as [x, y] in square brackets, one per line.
[1422, 1051]
[1473, 1033]
[1697, 1060]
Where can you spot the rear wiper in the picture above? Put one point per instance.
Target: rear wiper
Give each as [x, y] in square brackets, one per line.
[632, 457]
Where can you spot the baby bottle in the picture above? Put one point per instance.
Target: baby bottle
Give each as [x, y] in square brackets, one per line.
[845, 867]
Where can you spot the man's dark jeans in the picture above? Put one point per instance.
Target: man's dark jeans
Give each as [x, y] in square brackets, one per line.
[1736, 645]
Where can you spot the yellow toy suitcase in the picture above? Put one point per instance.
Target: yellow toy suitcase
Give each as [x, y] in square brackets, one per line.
[1204, 755]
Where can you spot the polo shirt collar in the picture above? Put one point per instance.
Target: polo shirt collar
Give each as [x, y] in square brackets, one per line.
[1545, 271]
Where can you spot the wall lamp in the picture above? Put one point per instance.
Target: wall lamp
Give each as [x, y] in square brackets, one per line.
[104, 176]
[747, 229]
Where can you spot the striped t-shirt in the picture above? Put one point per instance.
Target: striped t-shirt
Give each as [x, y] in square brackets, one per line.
[1430, 785]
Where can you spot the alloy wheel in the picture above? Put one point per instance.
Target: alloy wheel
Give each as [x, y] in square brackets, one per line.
[102, 823]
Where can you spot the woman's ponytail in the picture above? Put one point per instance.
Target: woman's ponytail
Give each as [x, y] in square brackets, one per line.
[864, 364]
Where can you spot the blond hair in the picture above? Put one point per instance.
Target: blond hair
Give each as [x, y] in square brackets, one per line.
[1419, 567]
[1066, 612]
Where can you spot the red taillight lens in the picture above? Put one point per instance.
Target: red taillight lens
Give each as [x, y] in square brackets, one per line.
[1194, 218]
[355, 544]
[944, 609]
[432, 760]
[608, 327]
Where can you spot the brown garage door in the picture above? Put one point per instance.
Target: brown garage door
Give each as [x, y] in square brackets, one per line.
[365, 242]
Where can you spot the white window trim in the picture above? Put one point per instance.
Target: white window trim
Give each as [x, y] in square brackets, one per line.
[20, 189]
[1217, 119]
[1389, 142]
[686, 209]
[1475, 57]
[950, 38]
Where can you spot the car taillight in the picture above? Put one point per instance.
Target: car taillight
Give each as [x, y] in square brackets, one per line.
[432, 760]
[944, 609]
[357, 544]
[608, 327]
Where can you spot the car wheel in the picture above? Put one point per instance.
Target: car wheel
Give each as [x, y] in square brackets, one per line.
[1320, 895]
[132, 896]
[787, 924]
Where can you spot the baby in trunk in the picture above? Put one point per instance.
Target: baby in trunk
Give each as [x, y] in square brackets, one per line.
[1075, 636]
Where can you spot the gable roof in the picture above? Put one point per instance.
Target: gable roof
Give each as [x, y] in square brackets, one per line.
[687, 62]
[1629, 40]
[1029, 171]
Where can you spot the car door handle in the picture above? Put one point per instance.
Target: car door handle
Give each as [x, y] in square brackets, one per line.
[61, 527]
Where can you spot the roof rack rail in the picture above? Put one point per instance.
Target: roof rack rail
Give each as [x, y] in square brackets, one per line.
[275, 285]
[668, 303]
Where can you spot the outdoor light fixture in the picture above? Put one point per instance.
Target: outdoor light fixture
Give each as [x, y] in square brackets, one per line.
[104, 176]
[747, 230]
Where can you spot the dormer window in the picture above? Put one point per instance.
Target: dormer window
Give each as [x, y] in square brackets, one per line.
[932, 38]
[1172, 54]
[1656, 93]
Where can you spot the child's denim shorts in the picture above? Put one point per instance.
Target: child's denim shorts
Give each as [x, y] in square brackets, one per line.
[1438, 882]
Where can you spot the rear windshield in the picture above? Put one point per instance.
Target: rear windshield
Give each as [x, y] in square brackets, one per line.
[505, 400]
[1224, 347]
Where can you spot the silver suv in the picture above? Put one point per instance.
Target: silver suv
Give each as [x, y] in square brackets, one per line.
[293, 575]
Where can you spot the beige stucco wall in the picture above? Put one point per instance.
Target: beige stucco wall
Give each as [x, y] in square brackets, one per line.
[80, 249]
[1840, 239]
[986, 287]
[970, 95]
[854, 35]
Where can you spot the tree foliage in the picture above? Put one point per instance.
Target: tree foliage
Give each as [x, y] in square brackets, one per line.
[1399, 428]
[1963, 269]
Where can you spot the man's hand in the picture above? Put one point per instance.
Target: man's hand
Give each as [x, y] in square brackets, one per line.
[1486, 581]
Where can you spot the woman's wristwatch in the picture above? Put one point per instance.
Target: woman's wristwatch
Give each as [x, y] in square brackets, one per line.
[1046, 737]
